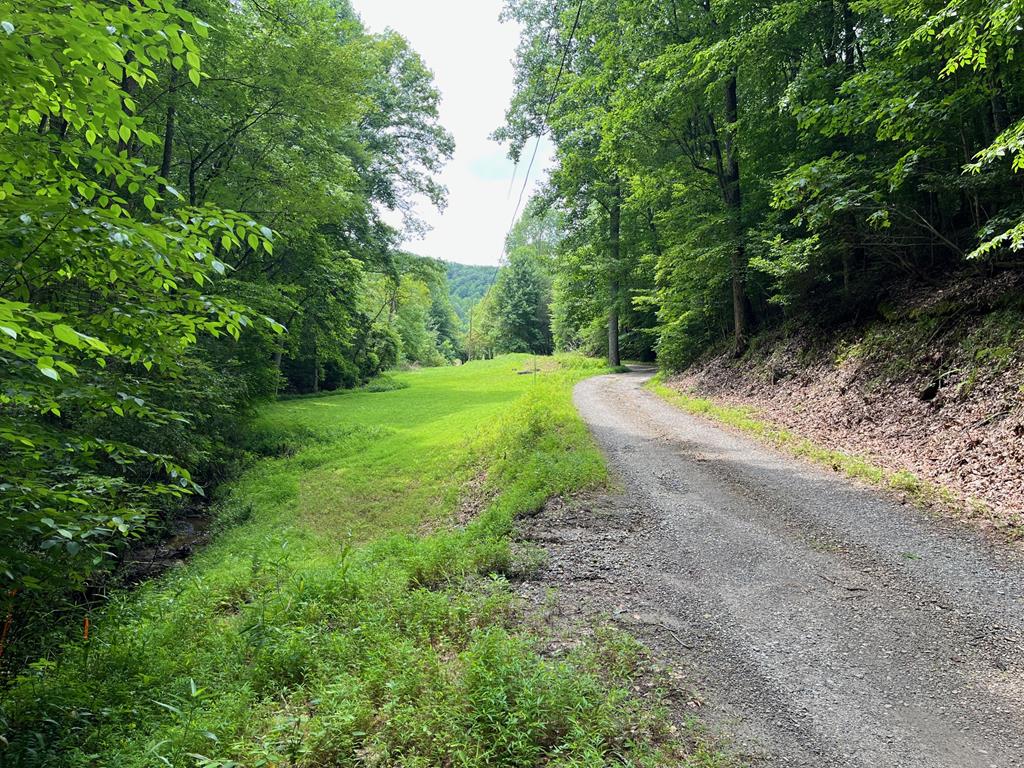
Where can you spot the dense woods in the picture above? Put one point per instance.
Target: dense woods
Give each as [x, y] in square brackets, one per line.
[191, 201]
[722, 166]
[467, 284]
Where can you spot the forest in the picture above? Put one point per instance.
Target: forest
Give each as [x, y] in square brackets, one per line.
[212, 318]
[467, 285]
[191, 207]
[722, 167]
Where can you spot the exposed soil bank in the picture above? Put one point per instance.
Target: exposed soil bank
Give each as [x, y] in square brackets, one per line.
[827, 625]
[937, 389]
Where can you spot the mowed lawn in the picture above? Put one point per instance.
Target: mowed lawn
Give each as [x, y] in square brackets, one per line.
[392, 460]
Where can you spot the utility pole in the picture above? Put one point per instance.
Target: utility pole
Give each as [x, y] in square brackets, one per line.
[469, 338]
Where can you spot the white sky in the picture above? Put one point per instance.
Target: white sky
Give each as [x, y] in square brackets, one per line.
[470, 54]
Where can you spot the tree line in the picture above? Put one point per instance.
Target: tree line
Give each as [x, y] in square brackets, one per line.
[724, 166]
[192, 197]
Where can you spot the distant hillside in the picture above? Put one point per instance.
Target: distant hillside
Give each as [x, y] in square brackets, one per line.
[467, 284]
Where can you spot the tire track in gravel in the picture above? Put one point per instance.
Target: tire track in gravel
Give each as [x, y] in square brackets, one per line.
[825, 624]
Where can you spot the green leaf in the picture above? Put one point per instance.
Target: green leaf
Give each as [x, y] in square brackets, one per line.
[68, 335]
[45, 366]
[168, 707]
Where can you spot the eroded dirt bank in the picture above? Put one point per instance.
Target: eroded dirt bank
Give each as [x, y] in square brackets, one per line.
[824, 624]
[936, 387]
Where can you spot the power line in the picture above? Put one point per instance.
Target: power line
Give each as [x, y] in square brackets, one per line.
[536, 146]
[547, 41]
[547, 111]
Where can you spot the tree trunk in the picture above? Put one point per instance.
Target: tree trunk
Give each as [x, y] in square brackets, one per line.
[316, 368]
[278, 353]
[613, 335]
[615, 230]
[733, 204]
[192, 183]
[168, 153]
[849, 39]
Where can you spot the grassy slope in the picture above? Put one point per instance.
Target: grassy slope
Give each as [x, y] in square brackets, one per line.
[322, 627]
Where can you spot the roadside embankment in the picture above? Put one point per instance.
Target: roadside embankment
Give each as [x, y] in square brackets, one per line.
[928, 398]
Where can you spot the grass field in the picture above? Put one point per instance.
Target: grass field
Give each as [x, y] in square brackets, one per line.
[342, 618]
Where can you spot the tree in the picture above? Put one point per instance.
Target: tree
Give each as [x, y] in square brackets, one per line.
[563, 87]
[757, 160]
[103, 292]
[522, 294]
[171, 180]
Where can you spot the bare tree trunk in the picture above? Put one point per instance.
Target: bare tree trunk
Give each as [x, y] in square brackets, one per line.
[849, 39]
[168, 153]
[613, 335]
[316, 368]
[615, 231]
[734, 202]
[191, 183]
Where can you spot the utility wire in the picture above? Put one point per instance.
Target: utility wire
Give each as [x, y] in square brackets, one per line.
[547, 116]
[536, 144]
[547, 41]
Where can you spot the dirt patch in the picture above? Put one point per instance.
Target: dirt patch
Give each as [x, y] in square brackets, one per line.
[473, 499]
[937, 389]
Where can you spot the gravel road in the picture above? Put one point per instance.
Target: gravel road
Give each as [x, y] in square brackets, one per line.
[824, 624]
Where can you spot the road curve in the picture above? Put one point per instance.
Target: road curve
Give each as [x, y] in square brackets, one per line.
[829, 625]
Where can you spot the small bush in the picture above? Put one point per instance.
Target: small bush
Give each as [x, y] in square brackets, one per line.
[384, 383]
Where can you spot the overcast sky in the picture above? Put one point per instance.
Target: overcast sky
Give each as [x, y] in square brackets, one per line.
[470, 54]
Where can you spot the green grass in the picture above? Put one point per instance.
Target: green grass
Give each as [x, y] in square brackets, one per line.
[325, 627]
[856, 467]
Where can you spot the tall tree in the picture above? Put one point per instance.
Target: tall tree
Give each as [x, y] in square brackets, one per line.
[171, 180]
[564, 87]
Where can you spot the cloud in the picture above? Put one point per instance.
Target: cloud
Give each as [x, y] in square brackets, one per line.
[470, 53]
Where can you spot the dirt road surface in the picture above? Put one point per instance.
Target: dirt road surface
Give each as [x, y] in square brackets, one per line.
[824, 624]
